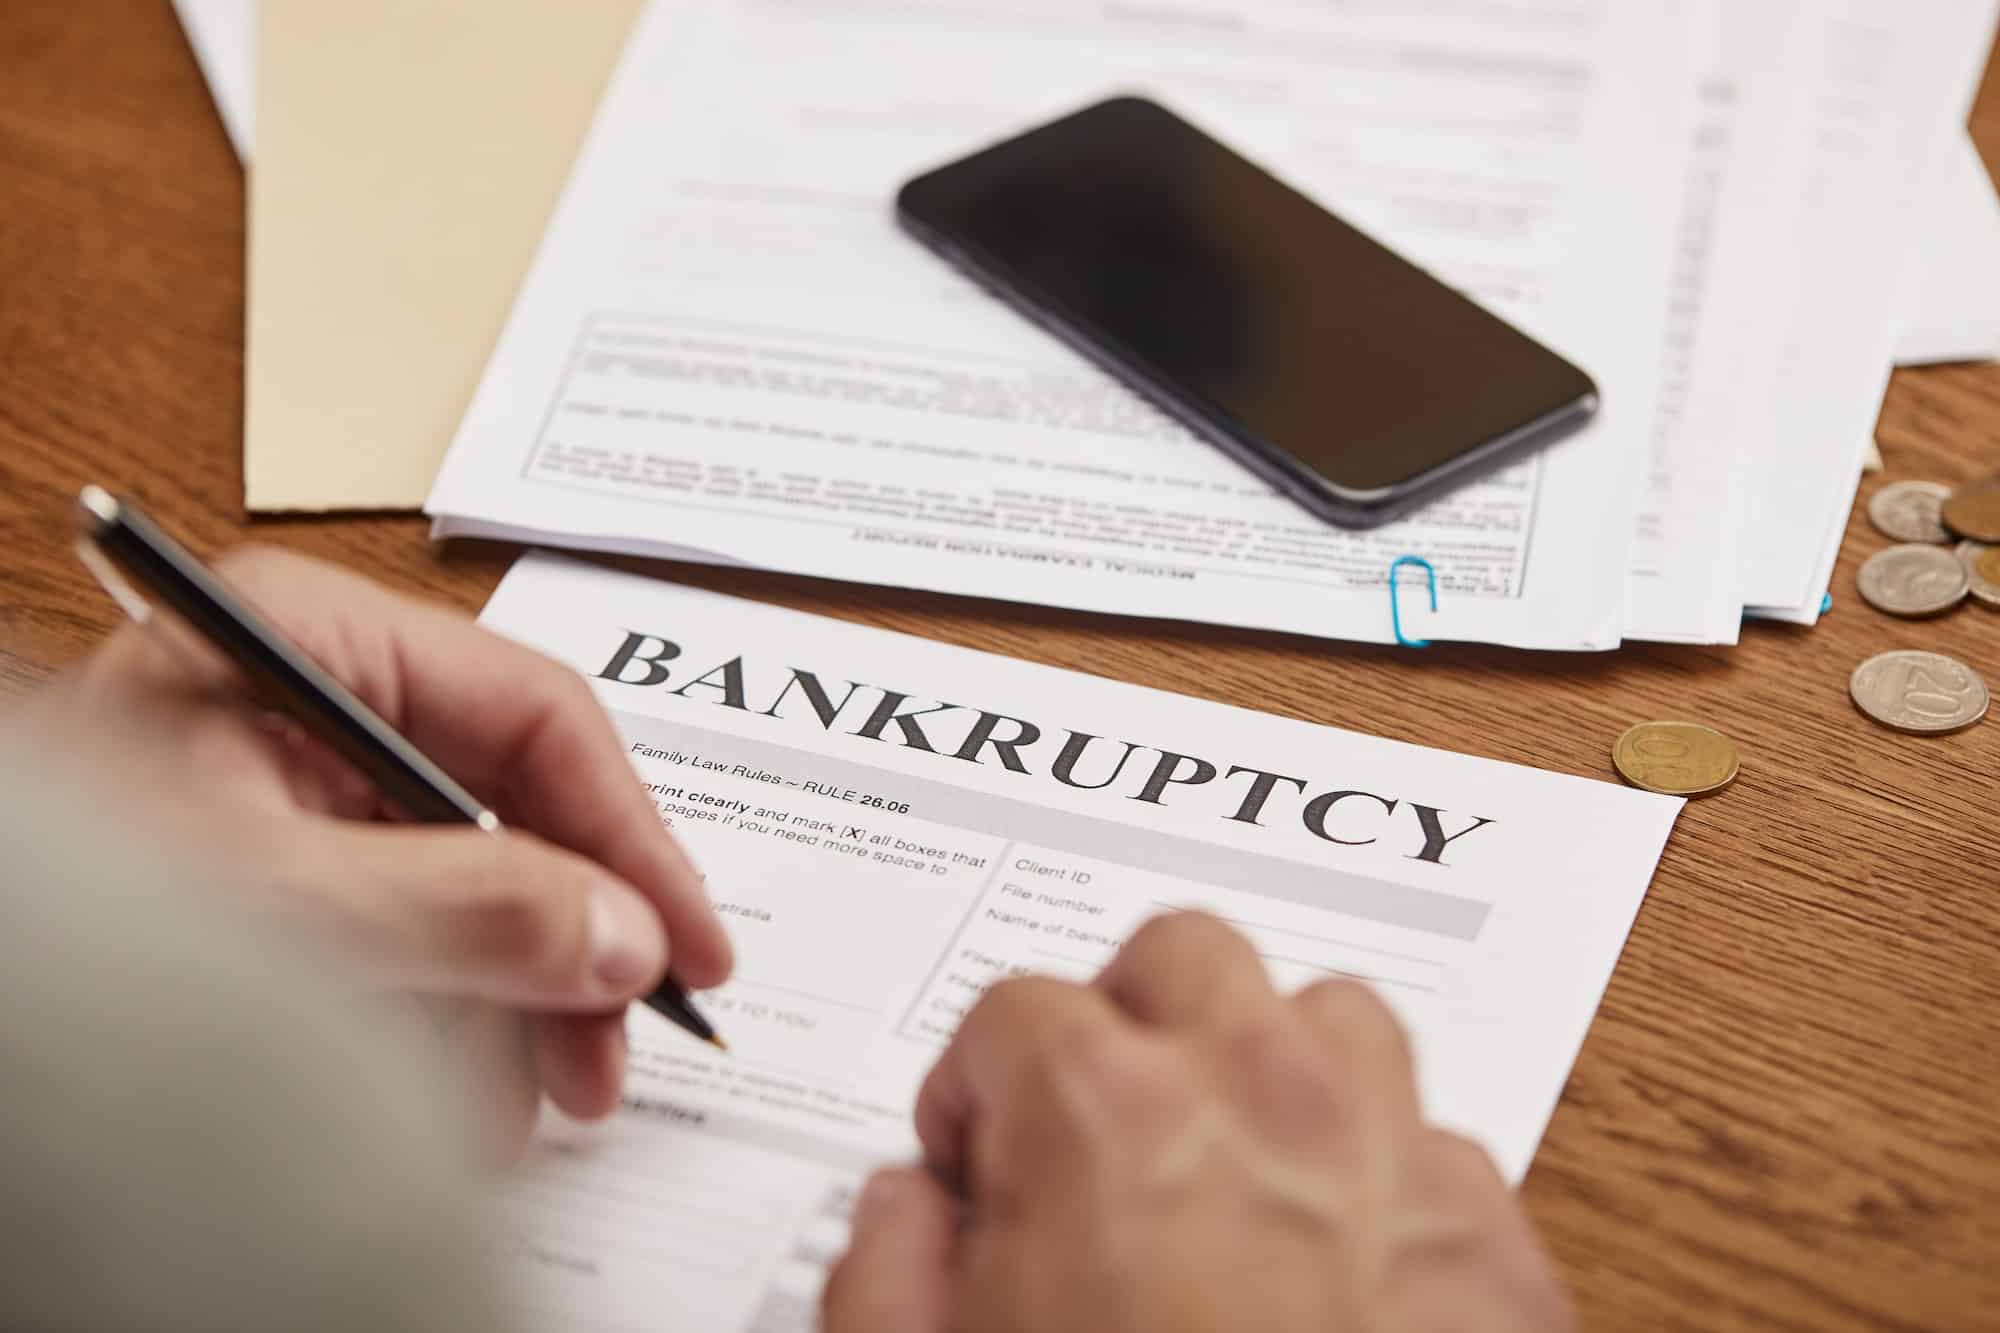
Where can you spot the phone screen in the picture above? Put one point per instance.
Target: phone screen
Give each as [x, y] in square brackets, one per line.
[1247, 305]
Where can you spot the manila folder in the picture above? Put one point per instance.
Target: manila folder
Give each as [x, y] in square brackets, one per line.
[409, 153]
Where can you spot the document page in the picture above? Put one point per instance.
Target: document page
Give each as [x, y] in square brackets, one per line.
[890, 825]
[1951, 302]
[726, 349]
[1881, 91]
[1725, 313]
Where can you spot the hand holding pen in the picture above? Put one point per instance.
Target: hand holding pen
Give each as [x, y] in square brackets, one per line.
[546, 932]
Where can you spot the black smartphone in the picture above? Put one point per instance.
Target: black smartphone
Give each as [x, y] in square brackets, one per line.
[1340, 372]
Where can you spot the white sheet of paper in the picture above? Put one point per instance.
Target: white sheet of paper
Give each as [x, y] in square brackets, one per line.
[1951, 307]
[1881, 89]
[1917, 263]
[727, 350]
[884, 850]
[1819, 598]
[1723, 314]
[223, 34]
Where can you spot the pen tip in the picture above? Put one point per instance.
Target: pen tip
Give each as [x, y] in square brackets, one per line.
[717, 1042]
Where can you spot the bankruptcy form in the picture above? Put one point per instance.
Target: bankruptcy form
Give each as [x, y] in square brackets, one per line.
[727, 351]
[889, 825]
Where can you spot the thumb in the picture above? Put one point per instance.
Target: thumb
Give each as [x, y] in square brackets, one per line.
[896, 1275]
[503, 917]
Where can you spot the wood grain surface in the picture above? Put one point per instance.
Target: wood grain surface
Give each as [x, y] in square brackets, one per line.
[1787, 1114]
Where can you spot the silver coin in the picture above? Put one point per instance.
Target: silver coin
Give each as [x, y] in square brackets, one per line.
[1914, 580]
[1923, 693]
[1908, 511]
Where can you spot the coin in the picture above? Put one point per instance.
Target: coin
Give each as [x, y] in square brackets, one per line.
[1914, 580]
[1973, 512]
[1908, 511]
[1924, 693]
[1675, 758]
[1982, 571]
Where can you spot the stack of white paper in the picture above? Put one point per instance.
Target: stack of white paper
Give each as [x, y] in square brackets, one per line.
[727, 350]
[1877, 89]
[1735, 217]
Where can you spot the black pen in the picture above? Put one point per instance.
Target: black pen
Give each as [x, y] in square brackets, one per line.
[117, 537]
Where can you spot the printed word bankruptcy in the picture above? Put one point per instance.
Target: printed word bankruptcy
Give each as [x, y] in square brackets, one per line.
[1349, 816]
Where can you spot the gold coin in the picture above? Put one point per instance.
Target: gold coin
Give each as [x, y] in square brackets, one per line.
[1987, 564]
[1982, 588]
[1675, 758]
[1974, 513]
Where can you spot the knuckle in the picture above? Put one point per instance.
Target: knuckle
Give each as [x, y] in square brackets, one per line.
[553, 684]
[1284, 1074]
[1013, 1006]
[1190, 932]
[1077, 1051]
[1078, 1063]
[566, 691]
[1460, 1162]
[1449, 1171]
[528, 925]
[572, 688]
[1089, 1086]
[1350, 1001]
[1353, 1010]
[256, 565]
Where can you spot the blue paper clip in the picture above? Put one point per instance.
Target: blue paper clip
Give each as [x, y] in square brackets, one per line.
[1825, 602]
[1395, 604]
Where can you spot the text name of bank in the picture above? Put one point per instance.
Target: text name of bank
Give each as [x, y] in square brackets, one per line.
[1152, 774]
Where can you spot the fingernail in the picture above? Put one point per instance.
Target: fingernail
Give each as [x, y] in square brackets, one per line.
[624, 939]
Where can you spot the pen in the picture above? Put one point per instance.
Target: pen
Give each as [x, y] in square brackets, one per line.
[118, 537]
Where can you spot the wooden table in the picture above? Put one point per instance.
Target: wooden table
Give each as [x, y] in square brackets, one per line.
[1787, 1114]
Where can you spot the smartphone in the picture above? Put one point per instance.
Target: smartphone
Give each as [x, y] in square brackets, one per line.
[1341, 373]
